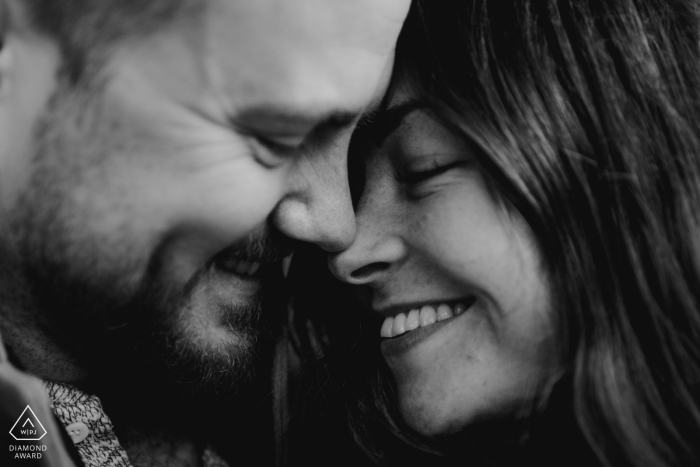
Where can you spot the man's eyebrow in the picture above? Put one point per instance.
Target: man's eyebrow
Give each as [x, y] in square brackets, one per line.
[380, 123]
[372, 110]
[284, 120]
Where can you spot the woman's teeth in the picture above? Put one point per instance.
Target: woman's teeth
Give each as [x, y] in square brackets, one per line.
[420, 317]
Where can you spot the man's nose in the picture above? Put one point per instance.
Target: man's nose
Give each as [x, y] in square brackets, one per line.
[318, 208]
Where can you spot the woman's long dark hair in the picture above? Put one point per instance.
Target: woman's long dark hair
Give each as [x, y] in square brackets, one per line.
[587, 113]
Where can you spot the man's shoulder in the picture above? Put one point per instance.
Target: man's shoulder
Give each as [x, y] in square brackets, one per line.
[23, 396]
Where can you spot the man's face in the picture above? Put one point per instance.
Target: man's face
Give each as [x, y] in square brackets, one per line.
[147, 211]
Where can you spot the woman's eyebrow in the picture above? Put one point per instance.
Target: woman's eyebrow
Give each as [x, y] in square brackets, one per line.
[380, 123]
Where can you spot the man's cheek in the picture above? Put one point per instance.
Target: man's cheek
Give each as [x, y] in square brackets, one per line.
[215, 212]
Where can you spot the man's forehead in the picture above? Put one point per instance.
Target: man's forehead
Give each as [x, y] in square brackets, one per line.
[371, 24]
[255, 58]
[300, 58]
[253, 30]
[280, 119]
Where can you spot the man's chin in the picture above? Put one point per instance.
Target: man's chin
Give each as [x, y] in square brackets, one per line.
[197, 358]
[174, 351]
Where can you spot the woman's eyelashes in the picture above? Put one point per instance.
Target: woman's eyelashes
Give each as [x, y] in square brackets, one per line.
[424, 175]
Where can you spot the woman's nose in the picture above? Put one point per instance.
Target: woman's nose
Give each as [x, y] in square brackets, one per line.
[367, 259]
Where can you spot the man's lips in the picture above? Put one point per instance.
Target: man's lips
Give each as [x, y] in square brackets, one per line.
[233, 262]
[239, 266]
[244, 274]
[233, 284]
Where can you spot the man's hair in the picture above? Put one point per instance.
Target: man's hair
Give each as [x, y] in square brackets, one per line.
[587, 112]
[86, 30]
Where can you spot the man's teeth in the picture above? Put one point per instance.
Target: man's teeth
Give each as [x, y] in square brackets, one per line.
[244, 268]
[429, 314]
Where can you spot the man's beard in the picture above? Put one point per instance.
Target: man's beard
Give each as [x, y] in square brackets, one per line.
[134, 336]
[143, 345]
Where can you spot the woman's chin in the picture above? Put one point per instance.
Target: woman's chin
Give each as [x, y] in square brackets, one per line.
[432, 413]
[429, 420]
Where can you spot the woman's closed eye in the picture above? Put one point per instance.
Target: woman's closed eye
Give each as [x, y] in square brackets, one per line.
[423, 170]
[423, 175]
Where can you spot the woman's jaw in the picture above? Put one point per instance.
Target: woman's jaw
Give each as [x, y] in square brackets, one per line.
[452, 373]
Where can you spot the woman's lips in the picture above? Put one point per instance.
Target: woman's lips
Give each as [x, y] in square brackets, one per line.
[405, 330]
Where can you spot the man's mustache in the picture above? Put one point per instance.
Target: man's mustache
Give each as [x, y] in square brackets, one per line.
[267, 247]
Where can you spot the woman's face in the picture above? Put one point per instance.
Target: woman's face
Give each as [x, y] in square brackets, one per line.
[466, 331]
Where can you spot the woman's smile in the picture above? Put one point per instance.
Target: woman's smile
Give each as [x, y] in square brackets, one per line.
[406, 330]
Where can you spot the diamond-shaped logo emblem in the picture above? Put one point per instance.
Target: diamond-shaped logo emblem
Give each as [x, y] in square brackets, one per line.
[28, 427]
